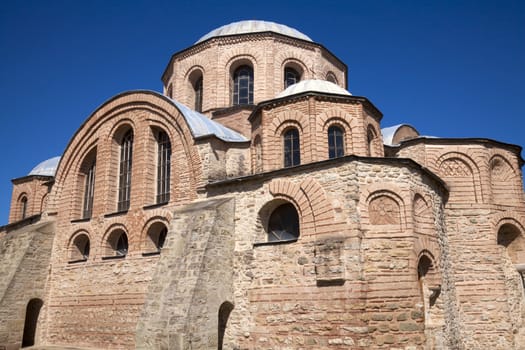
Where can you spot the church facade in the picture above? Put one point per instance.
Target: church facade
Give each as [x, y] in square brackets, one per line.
[257, 204]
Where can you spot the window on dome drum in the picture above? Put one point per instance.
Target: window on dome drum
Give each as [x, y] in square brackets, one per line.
[283, 224]
[89, 190]
[291, 76]
[370, 136]
[23, 207]
[163, 167]
[198, 88]
[124, 189]
[243, 86]
[292, 151]
[335, 142]
[331, 78]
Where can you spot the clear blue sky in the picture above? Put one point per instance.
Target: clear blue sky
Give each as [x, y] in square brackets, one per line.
[450, 68]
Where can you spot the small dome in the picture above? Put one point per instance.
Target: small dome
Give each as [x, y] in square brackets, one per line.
[46, 168]
[245, 27]
[313, 86]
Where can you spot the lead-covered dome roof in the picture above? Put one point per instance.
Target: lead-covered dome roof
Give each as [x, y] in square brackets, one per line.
[46, 168]
[245, 27]
[313, 85]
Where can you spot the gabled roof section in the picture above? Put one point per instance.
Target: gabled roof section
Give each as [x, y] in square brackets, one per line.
[202, 126]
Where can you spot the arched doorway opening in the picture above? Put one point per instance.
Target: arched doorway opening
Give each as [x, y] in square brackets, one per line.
[224, 313]
[32, 312]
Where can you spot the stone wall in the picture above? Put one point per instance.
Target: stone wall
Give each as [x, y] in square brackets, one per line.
[350, 281]
[25, 256]
[193, 278]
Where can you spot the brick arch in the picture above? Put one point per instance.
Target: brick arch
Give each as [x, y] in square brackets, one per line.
[337, 116]
[104, 120]
[373, 145]
[426, 245]
[328, 68]
[109, 227]
[310, 198]
[460, 167]
[508, 217]
[422, 214]
[503, 180]
[226, 63]
[187, 95]
[510, 235]
[394, 193]
[274, 144]
[287, 56]
[156, 216]
[69, 244]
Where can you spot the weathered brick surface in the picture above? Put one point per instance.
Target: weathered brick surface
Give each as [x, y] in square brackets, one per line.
[419, 250]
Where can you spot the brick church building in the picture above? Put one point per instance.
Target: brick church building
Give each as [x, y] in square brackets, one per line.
[257, 204]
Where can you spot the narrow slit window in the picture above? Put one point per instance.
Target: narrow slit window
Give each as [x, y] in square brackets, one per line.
[198, 89]
[292, 152]
[335, 142]
[89, 191]
[126, 153]
[163, 167]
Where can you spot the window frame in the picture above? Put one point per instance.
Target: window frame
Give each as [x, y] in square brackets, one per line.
[336, 142]
[291, 147]
[243, 95]
[289, 80]
[125, 171]
[89, 190]
[164, 153]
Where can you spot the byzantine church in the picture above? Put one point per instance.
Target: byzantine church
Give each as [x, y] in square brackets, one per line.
[257, 204]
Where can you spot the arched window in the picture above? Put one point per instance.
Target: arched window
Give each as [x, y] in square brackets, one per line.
[291, 76]
[243, 86]
[170, 91]
[370, 137]
[292, 151]
[198, 89]
[23, 207]
[79, 250]
[89, 190]
[283, 224]
[157, 234]
[336, 146]
[163, 167]
[116, 244]
[121, 247]
[331, 78]
[124, 188]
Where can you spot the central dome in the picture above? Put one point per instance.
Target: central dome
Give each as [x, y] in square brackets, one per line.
[245, 27]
